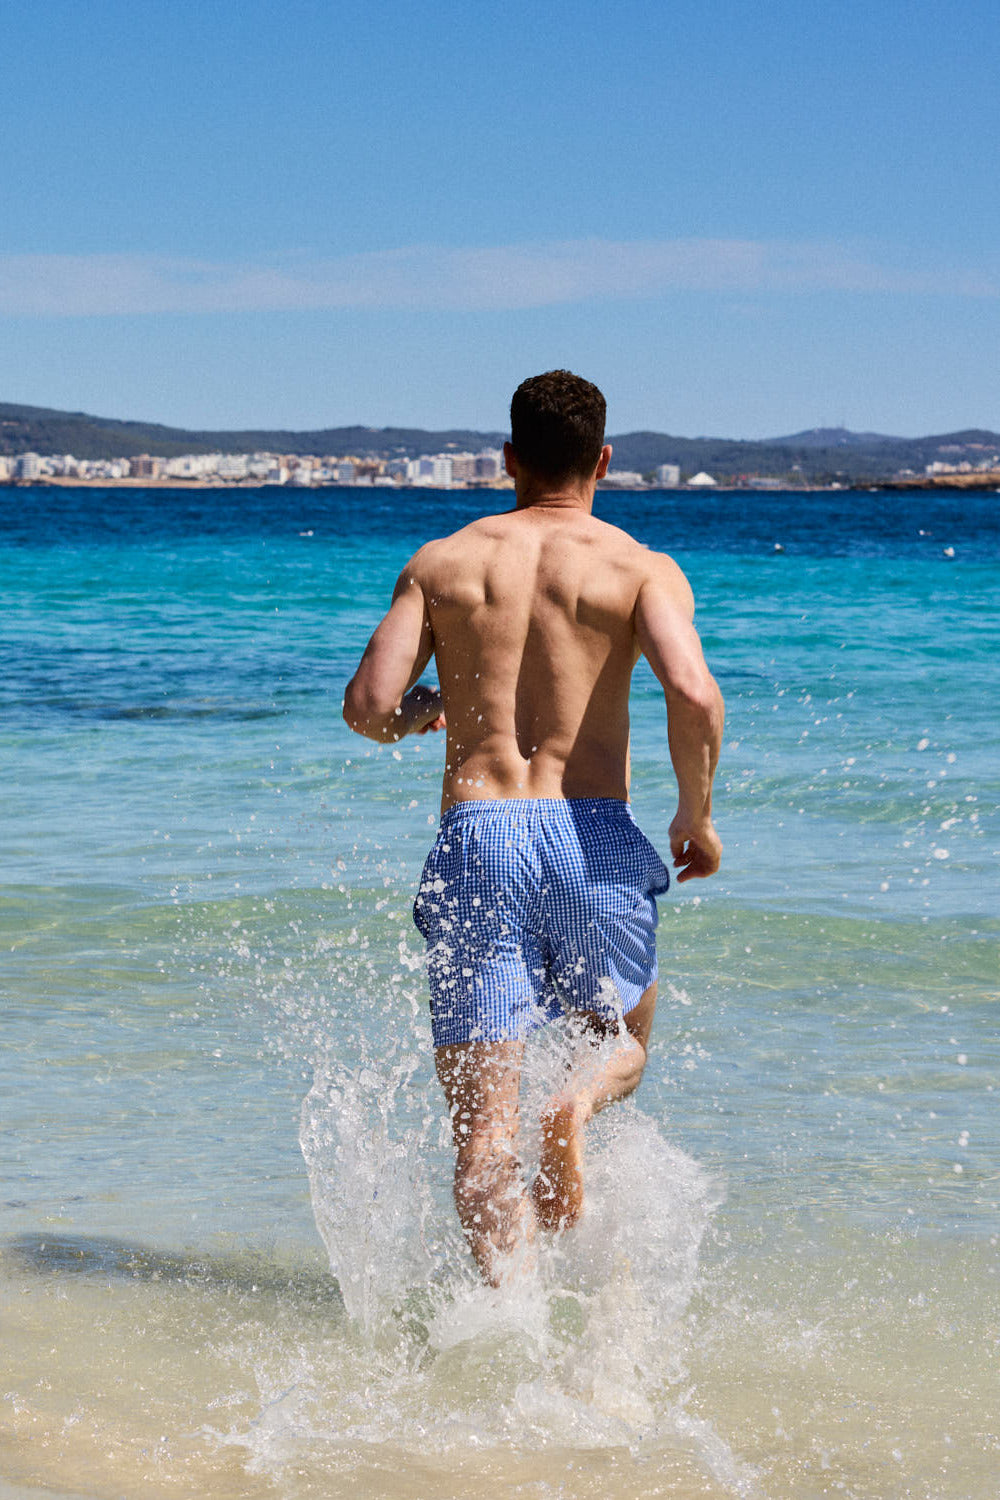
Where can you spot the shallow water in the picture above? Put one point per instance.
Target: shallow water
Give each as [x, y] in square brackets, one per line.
[228, 1260]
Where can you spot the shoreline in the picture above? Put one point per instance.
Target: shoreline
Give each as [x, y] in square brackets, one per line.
[66, 481]
[976, 482]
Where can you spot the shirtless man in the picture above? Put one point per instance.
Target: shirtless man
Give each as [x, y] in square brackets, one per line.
[538, 896]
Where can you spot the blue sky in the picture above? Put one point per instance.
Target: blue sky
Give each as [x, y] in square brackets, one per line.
[738, 219]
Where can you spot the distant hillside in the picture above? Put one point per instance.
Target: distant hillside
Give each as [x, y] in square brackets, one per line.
[834, 437]
[847, 457]
[36, 429]
[819, 454]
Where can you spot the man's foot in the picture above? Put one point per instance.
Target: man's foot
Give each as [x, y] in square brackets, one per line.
[557, 1191]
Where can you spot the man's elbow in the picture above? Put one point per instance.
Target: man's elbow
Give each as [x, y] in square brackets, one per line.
[366, 715]
[353, 717]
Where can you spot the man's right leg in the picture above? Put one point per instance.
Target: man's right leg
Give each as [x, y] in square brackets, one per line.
[481, 1081]
[599, 1077]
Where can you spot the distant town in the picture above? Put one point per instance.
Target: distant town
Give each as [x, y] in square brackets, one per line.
[439, 471]
[45, 446]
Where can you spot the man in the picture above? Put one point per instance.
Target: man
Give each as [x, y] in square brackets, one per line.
[539, 894]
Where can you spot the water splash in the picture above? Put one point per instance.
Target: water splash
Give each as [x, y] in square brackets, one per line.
[587, 1349]
[371, 1194]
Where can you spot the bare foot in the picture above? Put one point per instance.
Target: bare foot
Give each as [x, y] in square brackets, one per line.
[557, 1191]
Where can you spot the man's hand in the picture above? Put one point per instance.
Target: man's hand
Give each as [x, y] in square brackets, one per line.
[696, 848]
[695, 713]
[423, 709]
[435, 725]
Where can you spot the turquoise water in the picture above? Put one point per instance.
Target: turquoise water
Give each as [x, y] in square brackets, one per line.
[224, 1168]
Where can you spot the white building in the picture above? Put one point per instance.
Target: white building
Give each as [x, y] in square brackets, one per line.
[668, 475]
[623, 479]
[233, 466]
[106, 468]
[432, 472]
[192, 465]
[702, 481]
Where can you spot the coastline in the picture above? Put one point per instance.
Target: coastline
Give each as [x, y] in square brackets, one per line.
[176, 482]
[989, 479]
[986, 481]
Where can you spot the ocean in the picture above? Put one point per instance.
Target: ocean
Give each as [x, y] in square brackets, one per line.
[229, 1264]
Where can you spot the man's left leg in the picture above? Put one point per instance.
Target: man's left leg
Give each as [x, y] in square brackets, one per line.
[600, 1077]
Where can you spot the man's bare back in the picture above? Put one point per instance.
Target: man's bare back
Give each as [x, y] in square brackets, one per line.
[536, 618]
[533, 615]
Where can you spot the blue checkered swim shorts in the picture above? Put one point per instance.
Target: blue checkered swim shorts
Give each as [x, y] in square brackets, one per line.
[532, 907]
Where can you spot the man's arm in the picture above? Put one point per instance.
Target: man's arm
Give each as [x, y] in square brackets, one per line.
[383, 700]
[695, 714]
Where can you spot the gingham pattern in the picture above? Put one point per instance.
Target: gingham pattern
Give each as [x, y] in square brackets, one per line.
[533, 906]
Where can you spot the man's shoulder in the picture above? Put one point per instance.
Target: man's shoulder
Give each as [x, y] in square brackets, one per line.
[653, 576]
[657, 567]
[447, 552]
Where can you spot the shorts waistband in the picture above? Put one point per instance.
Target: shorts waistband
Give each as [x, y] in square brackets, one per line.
[527, 807]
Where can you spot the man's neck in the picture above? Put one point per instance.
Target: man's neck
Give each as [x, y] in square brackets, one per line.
[543, 497]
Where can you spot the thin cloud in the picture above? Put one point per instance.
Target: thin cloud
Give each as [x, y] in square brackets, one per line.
[506, 277]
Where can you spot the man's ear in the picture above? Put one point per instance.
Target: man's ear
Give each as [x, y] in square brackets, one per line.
[603, 461]
[510, 460]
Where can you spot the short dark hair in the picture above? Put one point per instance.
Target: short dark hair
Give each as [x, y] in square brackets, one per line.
[557, 424]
